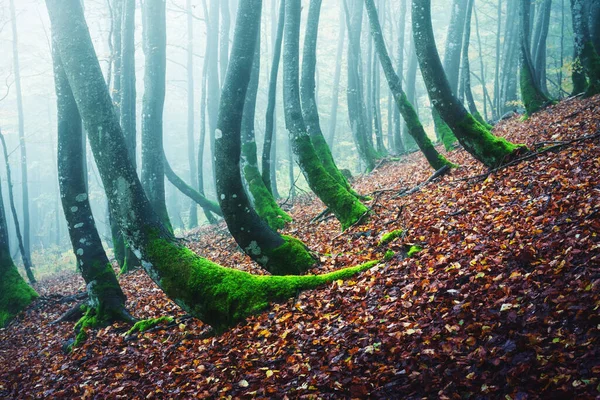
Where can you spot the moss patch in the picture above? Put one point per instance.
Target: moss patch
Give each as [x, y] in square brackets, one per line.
[389, 254]
[223, 297]
[413, 250]
[291, 258]
[15, 294]
[390, 236]
[146, 324]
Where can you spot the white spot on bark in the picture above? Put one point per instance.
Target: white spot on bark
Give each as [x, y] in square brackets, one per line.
[74, 209]
[218, 134]
[222, 197]
[79, 252]
[81, 197]
[253, 248]
[79, 225]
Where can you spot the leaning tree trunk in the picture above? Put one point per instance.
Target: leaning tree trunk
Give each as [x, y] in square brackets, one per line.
[474, 137]
[415, 128]
[585, 53]
[540, 52]
[106, 302]
[531, 93]
[15, 293]
[264, 202]
[220, 297]
[267, 154]
[155, 46]
[24, 255]
[22, 145]
[280, 255]
[340, 201]
[310, 111]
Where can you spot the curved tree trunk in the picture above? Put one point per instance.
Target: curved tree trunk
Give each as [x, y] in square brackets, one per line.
[340, 201]
[264, 202]
[267, 166]
[219, 296]
[106, 299]
[310, 111]
[531, 93]
[415, 129]
[155, 46]
[475, 138]
[15, 293]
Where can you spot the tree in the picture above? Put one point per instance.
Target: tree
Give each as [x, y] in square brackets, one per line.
[193, 220]
[539, 59]
[15, 293]
[585, 53]
[219, 296]
[264, 202]
[155, 45]
[531, 93]
[415, 128]
[22, 144]
[336, 81]
[106, 301]
[310, 112]
[280, 255]
[268, 167]
[474, 137]
[346, 207]
[399, 147]
[354, 92]
[24, 255]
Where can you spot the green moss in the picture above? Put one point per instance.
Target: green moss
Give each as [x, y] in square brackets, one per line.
[592, 68]
[413, 250]
[533, 98]
[482, 121]
[390, 236]
[146, 324]
[491, 150]
[324, 154]
[223, 297]
[344, 205]
[443, 131]
[389, 254]
[15, 294]
[264, 202]
[291, 258]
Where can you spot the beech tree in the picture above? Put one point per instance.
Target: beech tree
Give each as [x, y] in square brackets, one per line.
[106, 301]
[220, 297]
[415, 128]
[346, 207]
[474, 137]
[585, 52]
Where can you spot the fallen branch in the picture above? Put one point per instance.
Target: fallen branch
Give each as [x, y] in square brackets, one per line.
[440, 172]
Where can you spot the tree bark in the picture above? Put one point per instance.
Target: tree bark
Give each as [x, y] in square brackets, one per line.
[474, 137]
[153, 176]
[193, 220]
[336, 81]
[585, 53]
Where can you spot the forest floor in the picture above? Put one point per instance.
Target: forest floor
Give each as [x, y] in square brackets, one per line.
[502, 302]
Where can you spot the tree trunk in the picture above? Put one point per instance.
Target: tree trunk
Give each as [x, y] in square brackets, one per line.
[411, 84]
[585, 53]
[310, 111]
[533, 97]
[193, 221]
[267, 155]
[106, 302]
[415, 129]
[496, 109]
[264, 202]
[399, 147]
[540, 53]
[15, 293]
[213, 94]
[22, 145]
[153, 176]
[355, 96]
[336, 81]
[474, 137]
[340, 201]
[24, 255]
[224, 41]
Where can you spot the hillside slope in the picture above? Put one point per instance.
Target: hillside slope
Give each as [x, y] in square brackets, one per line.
[502, 302]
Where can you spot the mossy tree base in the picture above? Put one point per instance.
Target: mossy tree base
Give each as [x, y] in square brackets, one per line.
[15, 295]
[147, 324]
[223, 297]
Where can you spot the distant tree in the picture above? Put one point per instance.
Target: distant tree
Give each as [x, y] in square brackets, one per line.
[21, 124]
[346, 207]
[268, 159]
[24, 256]
[15, 293]
[336, 81]
[398, 144]
[474, 137]
[310, 111]
[220, 297]
[354, 93]
[213, 93]
[540, 47]
[415, 128]
[106, 301]
[585, 53]
[531, 93]
[155, 46]
[224, 40]
[193, 219]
